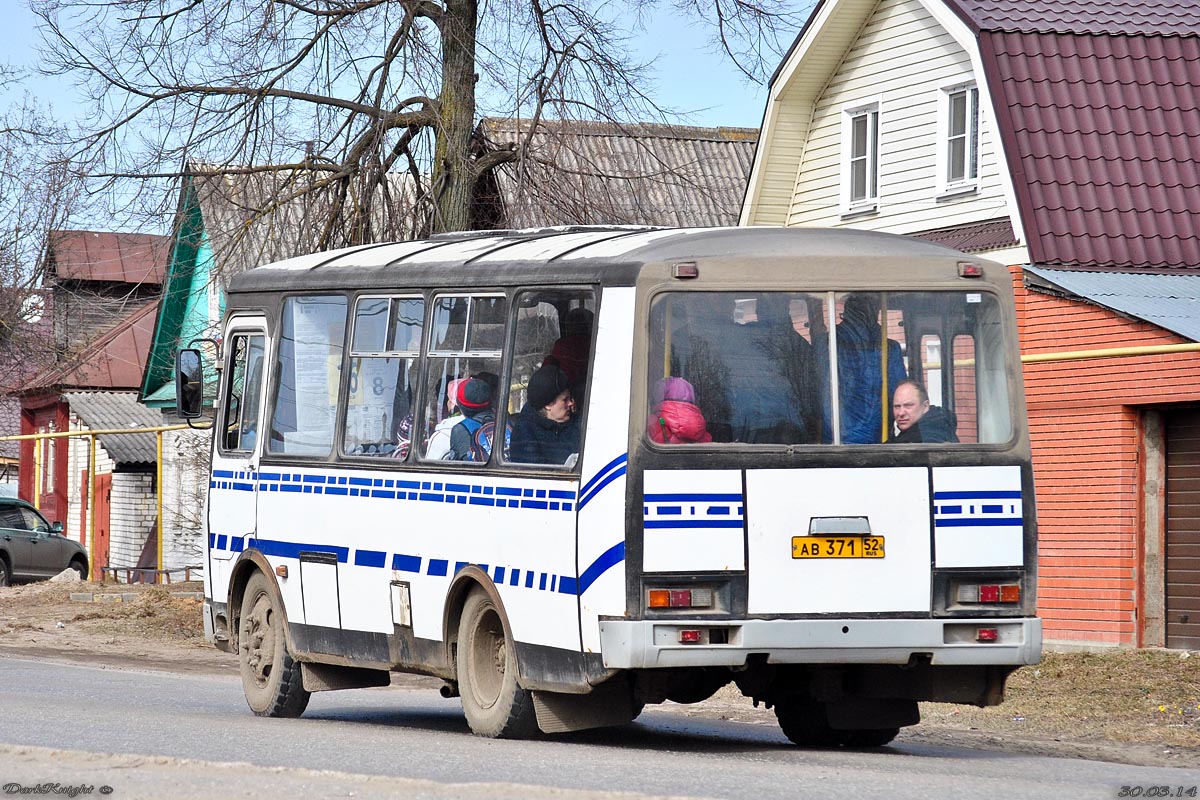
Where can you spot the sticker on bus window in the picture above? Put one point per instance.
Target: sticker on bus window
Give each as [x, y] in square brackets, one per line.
[974, 297]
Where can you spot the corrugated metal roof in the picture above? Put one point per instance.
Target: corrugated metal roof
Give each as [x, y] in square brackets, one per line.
[113, 360]
[1117, 17]
[974, 237]
[106, 256]
[258, 217]
[115, 411]
[593, 173]
[1170, 301]
[1098, 105]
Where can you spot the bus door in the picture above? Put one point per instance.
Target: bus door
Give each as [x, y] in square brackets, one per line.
[233, 487]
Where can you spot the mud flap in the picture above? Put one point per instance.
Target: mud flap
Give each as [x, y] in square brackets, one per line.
[609, 704]
[328, 677]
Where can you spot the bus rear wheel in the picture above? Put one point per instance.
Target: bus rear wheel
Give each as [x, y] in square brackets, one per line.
[271, 678]
[806, 723]
[493, 701]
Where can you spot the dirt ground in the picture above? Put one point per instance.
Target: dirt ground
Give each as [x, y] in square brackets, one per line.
[1125, 706]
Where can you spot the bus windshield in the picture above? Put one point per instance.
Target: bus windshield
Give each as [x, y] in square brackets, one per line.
[761, 368]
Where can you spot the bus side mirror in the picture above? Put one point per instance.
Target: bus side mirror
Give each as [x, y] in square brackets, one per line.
[189, 384]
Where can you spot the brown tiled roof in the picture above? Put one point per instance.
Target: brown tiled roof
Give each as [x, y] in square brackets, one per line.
[1101, 125]
[119, 257]
[1116, 17]
[113, 361]
[975, 236]
[601, 173]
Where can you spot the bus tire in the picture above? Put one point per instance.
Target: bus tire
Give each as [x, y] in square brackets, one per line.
[271, 678]
[805, 722]
[493, 701]
[867, 737]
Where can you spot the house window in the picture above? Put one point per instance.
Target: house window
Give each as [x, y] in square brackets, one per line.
[860, 175]
[960, 150]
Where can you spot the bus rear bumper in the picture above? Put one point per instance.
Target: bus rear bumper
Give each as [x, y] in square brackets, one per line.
[651, 644]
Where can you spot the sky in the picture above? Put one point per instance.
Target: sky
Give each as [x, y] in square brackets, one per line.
[691, 77]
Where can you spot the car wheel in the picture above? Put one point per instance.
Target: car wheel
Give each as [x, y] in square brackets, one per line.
[79, 567]
[493, 701]
[5, 575]
[271, 678]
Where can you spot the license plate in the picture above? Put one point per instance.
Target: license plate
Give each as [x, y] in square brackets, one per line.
[837, 547]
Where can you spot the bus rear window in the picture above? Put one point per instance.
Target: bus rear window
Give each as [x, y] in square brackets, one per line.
[761, 368]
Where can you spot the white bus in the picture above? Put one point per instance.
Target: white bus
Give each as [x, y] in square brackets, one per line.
[575, 471]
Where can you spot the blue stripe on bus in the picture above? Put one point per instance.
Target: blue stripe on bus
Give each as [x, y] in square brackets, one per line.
[612, 476]
[676, 497]
[619, 461]
[369, 558]
[438, 567]
[271, 547]
[979, 522]
[693, 523]
[978, 495]
[406, 563]
[607, 560]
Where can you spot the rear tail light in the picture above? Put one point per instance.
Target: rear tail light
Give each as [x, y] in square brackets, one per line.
[680, 598]
[987, 635]
[989, 593]
[689, 637]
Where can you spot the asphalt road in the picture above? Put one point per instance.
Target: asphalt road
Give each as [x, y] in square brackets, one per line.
[140, 732]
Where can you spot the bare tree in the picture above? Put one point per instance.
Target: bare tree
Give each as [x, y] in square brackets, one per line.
[355, 90]
[39, 190]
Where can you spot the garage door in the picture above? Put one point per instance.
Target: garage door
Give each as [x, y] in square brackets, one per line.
[1183, 529]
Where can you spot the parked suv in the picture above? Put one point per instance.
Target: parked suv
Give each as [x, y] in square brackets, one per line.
[31, 548]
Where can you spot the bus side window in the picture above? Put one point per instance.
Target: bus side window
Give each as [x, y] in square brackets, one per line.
[466, 338]
[554, 329]
[240, 419]
[311, 340]
[385, 354]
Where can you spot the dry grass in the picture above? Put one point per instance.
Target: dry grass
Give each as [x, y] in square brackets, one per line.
[1146, 696]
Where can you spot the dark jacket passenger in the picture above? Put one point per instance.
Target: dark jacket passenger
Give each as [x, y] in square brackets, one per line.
[936, 425]
[538, 440]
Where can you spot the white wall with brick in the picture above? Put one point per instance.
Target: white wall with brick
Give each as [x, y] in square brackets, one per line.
[185, 483]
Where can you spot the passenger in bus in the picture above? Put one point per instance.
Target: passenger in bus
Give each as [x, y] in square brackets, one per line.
[674, 417]
[471, 439]
[753, 381]
[918, 421]
[403, 437]
[438, 446]
[860, 372]
[571, 351]
[546, 430]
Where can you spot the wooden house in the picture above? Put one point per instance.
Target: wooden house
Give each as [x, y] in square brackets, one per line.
[1062, 138]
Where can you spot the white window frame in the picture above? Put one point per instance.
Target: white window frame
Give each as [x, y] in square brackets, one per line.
[968, 182]
[869, 202]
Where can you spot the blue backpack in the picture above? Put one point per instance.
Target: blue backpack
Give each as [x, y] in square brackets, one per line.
[482, 436]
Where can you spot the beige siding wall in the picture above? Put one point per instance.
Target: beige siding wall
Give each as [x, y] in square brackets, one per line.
[904, 58]
[780, 159]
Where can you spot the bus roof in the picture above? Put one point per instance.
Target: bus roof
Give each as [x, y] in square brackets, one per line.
[613, 255]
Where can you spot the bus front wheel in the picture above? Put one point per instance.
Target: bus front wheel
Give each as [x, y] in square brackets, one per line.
[271, 678]
[493, 701]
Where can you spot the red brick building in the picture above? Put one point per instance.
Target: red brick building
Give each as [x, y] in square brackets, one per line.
[1116, 451]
